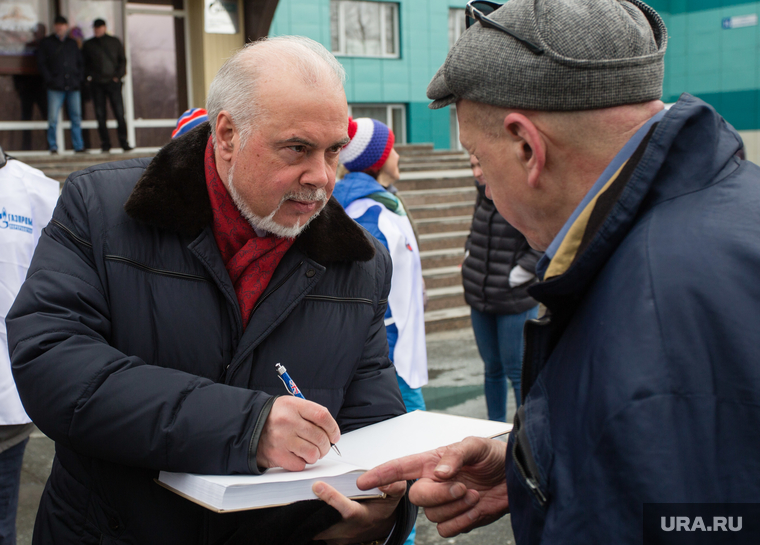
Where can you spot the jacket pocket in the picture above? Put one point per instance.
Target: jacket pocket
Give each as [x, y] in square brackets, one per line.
[532, 452]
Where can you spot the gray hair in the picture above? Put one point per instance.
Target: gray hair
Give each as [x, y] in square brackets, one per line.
[234, 86]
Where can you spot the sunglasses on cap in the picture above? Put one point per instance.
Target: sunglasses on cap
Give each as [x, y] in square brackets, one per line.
[478, 10]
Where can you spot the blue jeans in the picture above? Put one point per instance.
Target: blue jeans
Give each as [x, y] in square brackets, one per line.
[500, 343]
[74, 108]
[10, 479]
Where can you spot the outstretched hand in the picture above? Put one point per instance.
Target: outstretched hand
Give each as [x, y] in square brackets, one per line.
[296, 432]
[461, 486]
[364, 520]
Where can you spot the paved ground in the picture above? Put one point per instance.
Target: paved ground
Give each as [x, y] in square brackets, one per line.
[456, 387]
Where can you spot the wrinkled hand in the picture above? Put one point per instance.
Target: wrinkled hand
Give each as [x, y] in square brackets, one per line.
[365, 520]
[461, 486]
[297, 432]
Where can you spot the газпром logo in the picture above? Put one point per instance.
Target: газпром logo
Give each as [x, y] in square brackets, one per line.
[15, 222]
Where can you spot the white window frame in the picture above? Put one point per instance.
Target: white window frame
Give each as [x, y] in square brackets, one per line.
[342, 30]
[455, 144]
[456, 15]
[400, 134]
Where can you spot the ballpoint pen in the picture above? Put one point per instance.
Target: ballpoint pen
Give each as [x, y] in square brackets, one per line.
[290, 386]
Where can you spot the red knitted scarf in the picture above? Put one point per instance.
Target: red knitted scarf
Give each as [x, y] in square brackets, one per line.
[250, 259]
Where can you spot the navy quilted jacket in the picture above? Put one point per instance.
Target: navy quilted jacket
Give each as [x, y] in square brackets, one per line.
[642, 383]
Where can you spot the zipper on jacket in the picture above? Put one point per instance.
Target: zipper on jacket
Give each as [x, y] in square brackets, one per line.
[162, 272]
[71, 233]
[274, 289]
[128, 261]
[340, 299]
[226, 373]
[531, 481]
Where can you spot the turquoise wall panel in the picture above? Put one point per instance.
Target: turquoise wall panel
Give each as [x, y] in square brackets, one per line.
[426, 125]
[702, 58]
[423, 40]
[740, 108]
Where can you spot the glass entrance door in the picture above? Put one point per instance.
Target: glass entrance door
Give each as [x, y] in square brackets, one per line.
[157, 81]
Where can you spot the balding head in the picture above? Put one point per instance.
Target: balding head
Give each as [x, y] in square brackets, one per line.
[282, 59]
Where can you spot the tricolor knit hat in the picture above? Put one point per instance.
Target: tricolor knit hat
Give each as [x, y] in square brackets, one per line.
[189, 120]
[371, 144]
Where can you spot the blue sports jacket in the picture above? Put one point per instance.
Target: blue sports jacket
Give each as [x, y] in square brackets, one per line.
[641, 383]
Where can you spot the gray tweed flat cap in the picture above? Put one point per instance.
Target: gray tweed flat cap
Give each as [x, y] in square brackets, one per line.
[596, 54]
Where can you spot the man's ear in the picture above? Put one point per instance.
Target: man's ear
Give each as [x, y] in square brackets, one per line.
[225, 135]
[531, 147]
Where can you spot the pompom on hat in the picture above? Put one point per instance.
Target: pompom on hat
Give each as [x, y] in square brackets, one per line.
[189, 120]
[371, 144]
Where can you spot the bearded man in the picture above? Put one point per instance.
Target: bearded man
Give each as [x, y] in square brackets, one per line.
[163, 294]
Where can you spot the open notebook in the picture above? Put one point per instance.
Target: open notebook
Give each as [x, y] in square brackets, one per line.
[362, 449]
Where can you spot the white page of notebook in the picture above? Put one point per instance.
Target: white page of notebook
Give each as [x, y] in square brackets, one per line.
[373, 445]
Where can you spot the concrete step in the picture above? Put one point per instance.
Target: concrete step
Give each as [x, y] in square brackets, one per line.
[60, 166]
[446, 239]
[447, 319]
[438, 195]
[440, 225]
[431, 181]
[447, 257]
[417, 166]
[433, 159]
[446, 297]
[406, 149]
[441, 210]
[442, 277]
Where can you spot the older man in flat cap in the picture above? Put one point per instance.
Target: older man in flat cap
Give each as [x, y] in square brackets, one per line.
[640, 382]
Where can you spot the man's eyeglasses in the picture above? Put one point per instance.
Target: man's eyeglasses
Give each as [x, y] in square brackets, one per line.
[478, 10]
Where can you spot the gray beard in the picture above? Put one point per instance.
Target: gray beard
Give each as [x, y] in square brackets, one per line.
[267, 223]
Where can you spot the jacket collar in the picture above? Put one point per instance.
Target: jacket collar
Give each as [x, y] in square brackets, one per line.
[690, 148]
[171, 194]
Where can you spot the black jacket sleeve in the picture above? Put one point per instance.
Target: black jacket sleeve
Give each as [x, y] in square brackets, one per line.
[43, 57]
[88, 396]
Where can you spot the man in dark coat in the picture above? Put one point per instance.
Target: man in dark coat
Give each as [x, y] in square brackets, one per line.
[104, 65]
[60, 63]
[162, 296]
[641, 382]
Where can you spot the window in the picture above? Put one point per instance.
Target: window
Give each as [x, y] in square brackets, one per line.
[364, 29]
[456, 25]
[393, 115]
[454, 142]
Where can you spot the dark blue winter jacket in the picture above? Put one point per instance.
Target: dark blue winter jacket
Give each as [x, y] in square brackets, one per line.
[642, 382]
[129, 351]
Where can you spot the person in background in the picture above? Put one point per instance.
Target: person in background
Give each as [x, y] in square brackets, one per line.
[60, 63]
[105, 64]
[27, 199]
[498, 268]
[372, 166]
[189, 120]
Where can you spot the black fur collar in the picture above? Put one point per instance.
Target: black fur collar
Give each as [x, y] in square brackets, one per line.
[171, 194]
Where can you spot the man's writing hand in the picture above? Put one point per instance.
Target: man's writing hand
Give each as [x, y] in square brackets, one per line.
[297, 432]
[461, 486]
[366, 520]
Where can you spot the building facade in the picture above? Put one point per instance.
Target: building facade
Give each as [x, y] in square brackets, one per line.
[390, 51]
